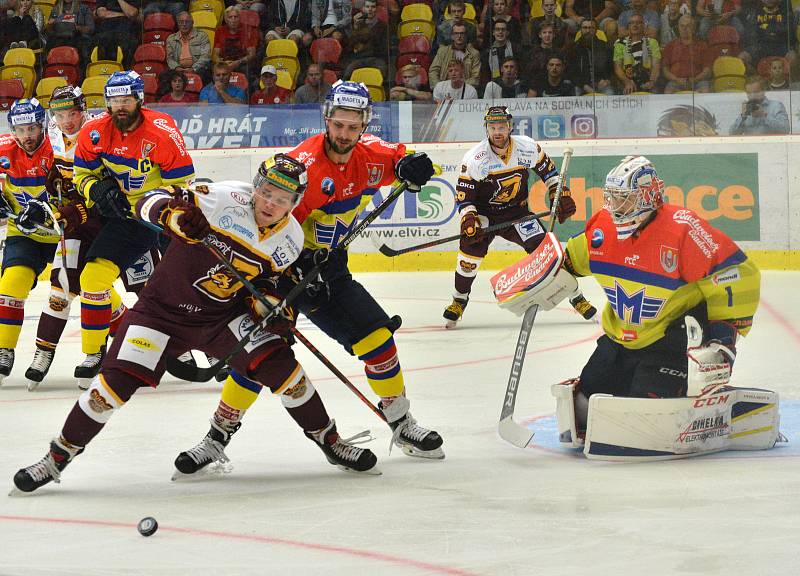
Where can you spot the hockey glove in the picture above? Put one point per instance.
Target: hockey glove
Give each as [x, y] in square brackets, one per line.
[5, 208]
[282, 323]
[415, 169]
[59, 187]
[711, 363]
[73, 215]
[471, 227]
[185, 221]
[110, 200]
[566, 205]
[31, 217]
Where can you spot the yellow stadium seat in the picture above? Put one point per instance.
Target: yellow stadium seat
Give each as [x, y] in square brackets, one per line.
[50, 3]
[24, 74]
[373, 79]
[93, 89]
[45, 87]
[205, 20]
[288, 64]
[282, 47]
[423, 27]
[118, 59]
[729, 74]
[217, 7]
[599, 34]
[284, 80]
[416, 12]
[46, 10]
[20, 57]
[103, 68]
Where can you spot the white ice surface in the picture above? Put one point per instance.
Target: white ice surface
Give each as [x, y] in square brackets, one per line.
[488, 508]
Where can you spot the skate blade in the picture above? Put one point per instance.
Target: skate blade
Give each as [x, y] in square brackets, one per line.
[214, 469]
[84, 383]
[374, 471]
[33, 385]
[451, 324]
[435, 454]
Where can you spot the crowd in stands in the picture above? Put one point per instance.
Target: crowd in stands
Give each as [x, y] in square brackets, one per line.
[267, 52]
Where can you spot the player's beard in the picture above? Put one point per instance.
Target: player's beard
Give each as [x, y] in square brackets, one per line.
[124, 124]
[503, 146]
[337, 148]
[31, 145]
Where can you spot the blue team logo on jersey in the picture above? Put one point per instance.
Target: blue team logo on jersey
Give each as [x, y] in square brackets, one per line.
[327, 186]
[225, 222]
[597, 238]
[329, 234]
[633, 308]
[5, 162]
[127, 182]
[94, 136]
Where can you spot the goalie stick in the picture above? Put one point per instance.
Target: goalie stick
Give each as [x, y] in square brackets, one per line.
[509, 430]
[194, 374]
[387, 251]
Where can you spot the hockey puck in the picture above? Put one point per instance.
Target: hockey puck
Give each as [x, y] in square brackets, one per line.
[147, 526]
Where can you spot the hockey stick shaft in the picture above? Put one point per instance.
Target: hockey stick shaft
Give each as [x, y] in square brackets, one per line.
[508, 429]
[394, 195]
[386, 251]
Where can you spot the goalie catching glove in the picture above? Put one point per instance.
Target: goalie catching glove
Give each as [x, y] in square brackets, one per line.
[566, 205]
[710, 361]
[184, 220]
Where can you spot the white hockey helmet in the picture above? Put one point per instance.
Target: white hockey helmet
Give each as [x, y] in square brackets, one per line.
[632, 192]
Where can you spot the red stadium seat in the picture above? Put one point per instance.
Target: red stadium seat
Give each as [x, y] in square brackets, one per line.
[64, 55]
[10, 90]
[156, 37]
[150, 53]
[722, 41]
[239, 80]
[329, 76]
[71, 73]
[423, 60]
[194, 83]
[159, 21]
[326, 50]
[149, 68]
[414, 43]
[249, 18]
[150, 88]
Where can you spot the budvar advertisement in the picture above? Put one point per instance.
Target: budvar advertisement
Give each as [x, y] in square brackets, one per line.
[721, 187]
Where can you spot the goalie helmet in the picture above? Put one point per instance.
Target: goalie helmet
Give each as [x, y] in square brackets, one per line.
[632, 192]
[126, 83]
[284, 172]
[67, 97]
[349, 96]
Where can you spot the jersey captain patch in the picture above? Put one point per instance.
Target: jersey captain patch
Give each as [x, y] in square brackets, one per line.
[633, 308]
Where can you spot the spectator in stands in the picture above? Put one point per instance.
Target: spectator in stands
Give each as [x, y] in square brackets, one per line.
[540, 54]
[652, 21]
[457, 50]
[117, 24]
[331, 18]
[601, 11]
[289, 20]
[235, 44]
[669, 21]
[70, 24]
[189, 50]
[561, 31]
[590, 63]
[760, 115]
[685, 61]
[444, 29]
[315, 89]
[412, 87]
[719, 13]
[369, 44]
[256, 6]
[23, 27]
[271, 93]
[499, 10]
[637, 59]
[778, 79]
[770, 31]
[175, 89]
[508, 85]
[173, 7]
[500, 49]
[221, 91]
[554, 84]
[455, 87]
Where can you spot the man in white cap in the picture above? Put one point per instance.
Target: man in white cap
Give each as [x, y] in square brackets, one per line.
[270, 93]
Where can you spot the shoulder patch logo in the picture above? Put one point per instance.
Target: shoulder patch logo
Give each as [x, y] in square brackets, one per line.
[327, 186]
[597, 238]
[375, 173]
[669, 259]
[5, 162]
[94, 136]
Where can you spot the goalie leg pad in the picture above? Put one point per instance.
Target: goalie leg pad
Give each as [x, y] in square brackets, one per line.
[565, 394]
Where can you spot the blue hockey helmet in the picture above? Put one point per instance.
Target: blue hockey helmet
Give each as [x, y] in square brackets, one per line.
[126, 83]
[349, 96]
[26, 111]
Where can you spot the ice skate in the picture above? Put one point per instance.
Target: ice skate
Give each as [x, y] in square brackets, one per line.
[342, 452]
[413, 439]
[6, 362]
[39, 367]
[89, 368]
[454, 312]
[210, 450]
[47, 469]
[583, 307]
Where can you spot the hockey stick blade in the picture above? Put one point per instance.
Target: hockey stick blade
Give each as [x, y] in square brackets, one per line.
[514, 433]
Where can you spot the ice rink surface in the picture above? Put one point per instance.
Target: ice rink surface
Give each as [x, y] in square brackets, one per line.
[488, 508]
